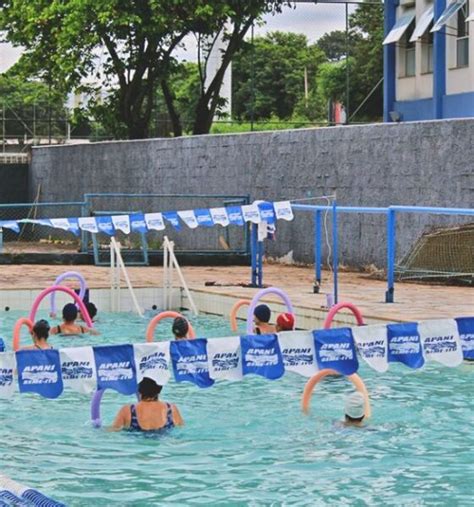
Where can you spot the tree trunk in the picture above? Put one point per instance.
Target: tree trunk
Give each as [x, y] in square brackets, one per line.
[173, 114]
[203, 118]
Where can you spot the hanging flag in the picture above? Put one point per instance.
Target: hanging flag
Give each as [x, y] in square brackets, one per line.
[251, 213]
[261, 355]
[297, 350]
[204, 217]
[335, 349]
[283, 210]
[37, 221]
[225, 358]
[7, 368]
[121, 223]
[466, 334]
[105, 225]
[137, 223]
[189, 218]
[189, 359]
[219, 216]
[66, 224]
[88, 224]
[154, 221]
[10, 224]
[404, 345]
[235, 215]
[440, 340]
[39, 371]
[78, 369]
[152, 361]
[371, 343]
[172, 218]
[115, 367]
[267, 213]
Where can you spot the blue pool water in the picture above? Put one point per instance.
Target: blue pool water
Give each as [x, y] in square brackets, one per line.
[247, 443]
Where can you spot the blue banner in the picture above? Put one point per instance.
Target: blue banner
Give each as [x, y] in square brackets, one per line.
[235, 215]
[115, 365]
[137, 223]
[261, 355]
[404, 345]
[39, 371]
[172, 218]
[106, 225]
[466, 334]
[267, 213]
[189, 359]
[335, 349]
[204, 218]
[10, 224]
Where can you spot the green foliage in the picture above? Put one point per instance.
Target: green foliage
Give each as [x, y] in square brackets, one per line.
[334, 44]
[272, 73]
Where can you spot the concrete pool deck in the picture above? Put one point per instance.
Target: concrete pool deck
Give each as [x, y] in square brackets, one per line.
[413, 301]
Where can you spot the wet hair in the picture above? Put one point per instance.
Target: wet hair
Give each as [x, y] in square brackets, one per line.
[69, 312]
[148, 388]
[41, 329]
[91, 309]
[262, 313]
[180, 327]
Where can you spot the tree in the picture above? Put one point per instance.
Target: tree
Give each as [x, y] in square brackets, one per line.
[269, 77]
[335, 45]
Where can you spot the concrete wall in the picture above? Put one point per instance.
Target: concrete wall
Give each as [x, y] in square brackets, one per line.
[422, 163]
[13, 183]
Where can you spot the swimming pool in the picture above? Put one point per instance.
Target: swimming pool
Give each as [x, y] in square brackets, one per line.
[247, 443]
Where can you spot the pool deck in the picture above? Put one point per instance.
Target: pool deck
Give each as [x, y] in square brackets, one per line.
[413, 302]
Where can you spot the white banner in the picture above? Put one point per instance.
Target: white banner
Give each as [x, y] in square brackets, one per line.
[88, 224]
[251, 213]
[225, 358]
[219, 215]
[371, 342]
[122, 223]
[152, 361]
[78, 369]
[283, 210]
[297, 349]
[189, 218]
[440, 341]
[154, 221]
[7, 369]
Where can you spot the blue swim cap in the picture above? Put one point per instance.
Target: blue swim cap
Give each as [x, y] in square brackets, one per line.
[2, 345]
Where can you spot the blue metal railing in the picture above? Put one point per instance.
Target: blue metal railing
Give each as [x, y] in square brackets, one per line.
[390, 212]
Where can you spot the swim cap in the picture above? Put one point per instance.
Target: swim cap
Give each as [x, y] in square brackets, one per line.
[180, 327]
[354, 405]
[41, 329]
[148, 388]
[286, 321]
[69, 312]
[263, 313]
[91, 309]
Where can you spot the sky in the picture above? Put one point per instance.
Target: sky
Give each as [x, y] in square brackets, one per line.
[310, 19]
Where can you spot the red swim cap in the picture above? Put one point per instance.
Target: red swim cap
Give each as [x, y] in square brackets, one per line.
[286, 321]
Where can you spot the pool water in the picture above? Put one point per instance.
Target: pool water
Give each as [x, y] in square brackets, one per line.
[247, 443]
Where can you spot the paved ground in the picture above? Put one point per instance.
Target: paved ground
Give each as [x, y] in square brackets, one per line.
[413, 301]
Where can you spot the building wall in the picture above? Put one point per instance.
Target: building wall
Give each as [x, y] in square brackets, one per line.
[424, 163]
[14, 183]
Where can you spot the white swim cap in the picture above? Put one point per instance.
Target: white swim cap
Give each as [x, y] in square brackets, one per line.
[354, 405]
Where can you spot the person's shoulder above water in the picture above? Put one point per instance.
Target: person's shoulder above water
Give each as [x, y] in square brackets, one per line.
[261, 318]
[39, 335]
[69, 326]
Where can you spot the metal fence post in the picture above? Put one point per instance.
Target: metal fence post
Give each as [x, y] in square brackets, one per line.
[335, 260]
[317, 250]
[391, 242]
[253, 254]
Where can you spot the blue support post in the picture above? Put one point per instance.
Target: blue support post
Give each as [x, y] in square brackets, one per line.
[439, 62]
[261, 250]
[390, 8]
[391, 244]
[1, 240]
[335, 253]
[317, 250]
[253, 254]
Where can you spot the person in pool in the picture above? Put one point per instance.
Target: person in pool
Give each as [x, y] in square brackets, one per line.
[180, 328]
[354, 410]
[69, 326]
[149, 414]
[39, 334]
[91, 310]
[261, 318]
[285, 322]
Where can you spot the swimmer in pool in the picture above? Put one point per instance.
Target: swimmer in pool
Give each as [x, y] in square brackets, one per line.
[149, 414]
[354, 410]
[69, 326]
[39, 334]
[261, 318]
[91, 309]
[180, 328]
[285, 322]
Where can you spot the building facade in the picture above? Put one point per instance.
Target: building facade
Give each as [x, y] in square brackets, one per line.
[428, 59]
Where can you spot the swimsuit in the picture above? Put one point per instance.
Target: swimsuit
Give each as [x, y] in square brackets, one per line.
[135, 425]
[60, 332]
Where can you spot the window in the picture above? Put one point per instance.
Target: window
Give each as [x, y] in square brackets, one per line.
[462, 37]
[410, 52]
[427, 51]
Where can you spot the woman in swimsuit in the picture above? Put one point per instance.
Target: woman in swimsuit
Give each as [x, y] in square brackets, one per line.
[39, 333]
[149, 414]
[69, 325]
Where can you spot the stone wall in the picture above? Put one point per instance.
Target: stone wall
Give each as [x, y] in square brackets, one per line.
[419, 163]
